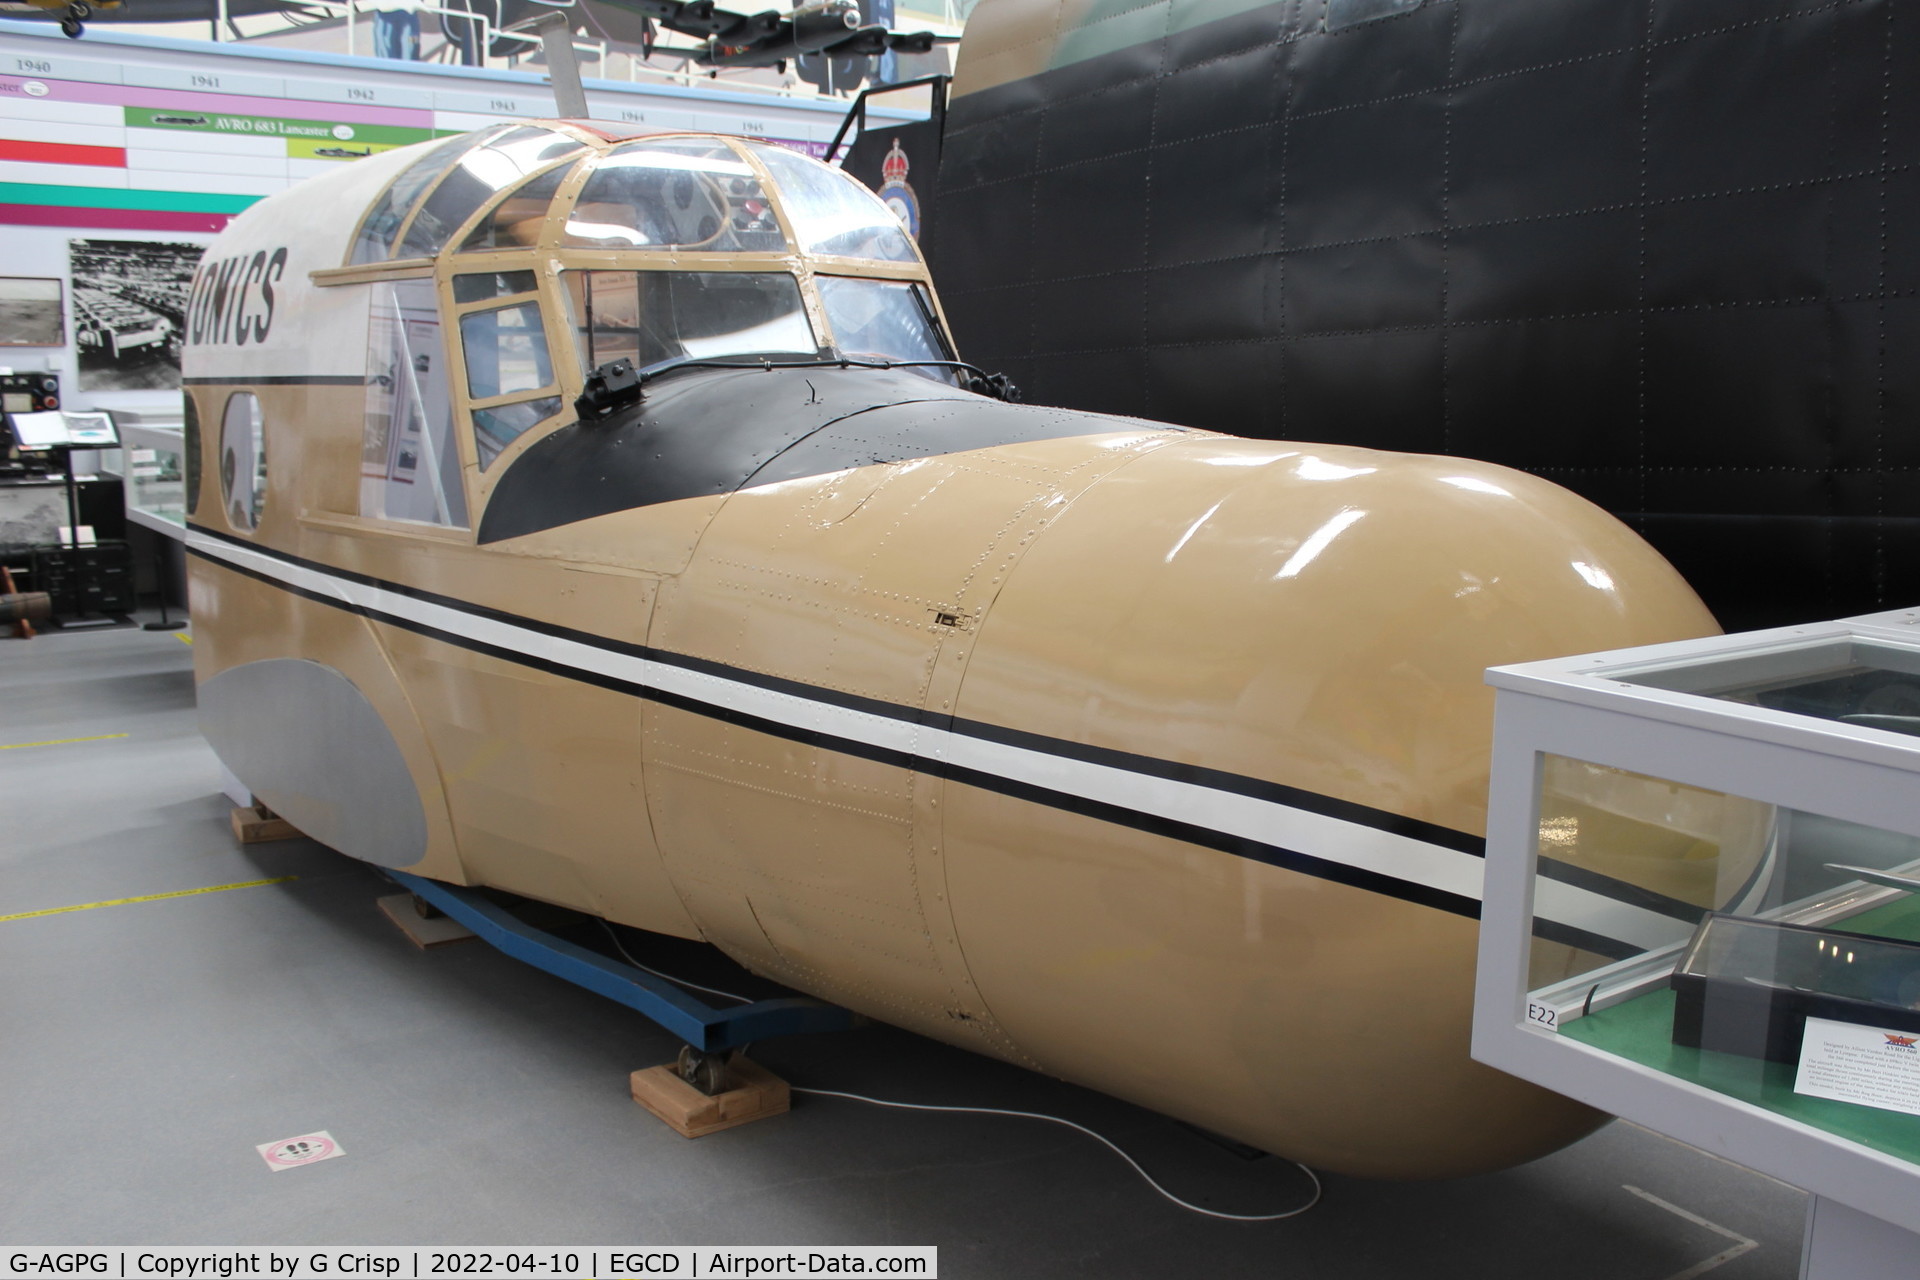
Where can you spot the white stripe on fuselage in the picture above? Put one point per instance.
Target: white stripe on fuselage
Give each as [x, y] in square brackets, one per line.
[1268, 822]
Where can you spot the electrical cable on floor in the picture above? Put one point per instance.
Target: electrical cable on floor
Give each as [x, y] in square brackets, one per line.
[1104, 1141]
[680, 982]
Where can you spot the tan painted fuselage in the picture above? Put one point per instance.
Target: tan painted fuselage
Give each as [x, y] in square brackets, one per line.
[1119, 658]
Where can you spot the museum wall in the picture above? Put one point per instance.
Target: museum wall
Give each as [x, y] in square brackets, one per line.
[140, 148]
[47, 252]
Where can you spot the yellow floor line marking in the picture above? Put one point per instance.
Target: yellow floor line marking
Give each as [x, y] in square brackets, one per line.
[150, 897]
[183, 637]
[60, 742]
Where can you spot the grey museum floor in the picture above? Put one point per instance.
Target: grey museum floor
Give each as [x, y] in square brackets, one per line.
[146, 1049]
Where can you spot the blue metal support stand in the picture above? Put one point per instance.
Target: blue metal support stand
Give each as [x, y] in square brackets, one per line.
[706, 1028]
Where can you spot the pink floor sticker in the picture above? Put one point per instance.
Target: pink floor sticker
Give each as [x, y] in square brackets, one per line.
[291, 1153]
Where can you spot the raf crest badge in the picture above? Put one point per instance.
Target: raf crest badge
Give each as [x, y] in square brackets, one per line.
[896, 193]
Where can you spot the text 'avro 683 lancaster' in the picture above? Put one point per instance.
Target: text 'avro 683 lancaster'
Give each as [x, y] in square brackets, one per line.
[604, 519]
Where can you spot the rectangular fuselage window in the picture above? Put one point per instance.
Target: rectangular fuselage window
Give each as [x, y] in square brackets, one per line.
[409, 462]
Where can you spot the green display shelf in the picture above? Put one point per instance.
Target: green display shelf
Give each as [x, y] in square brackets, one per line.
[1641, 1030]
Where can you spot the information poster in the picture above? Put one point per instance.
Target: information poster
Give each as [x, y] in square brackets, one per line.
[129, 304]
[30, 312]
[128, 145]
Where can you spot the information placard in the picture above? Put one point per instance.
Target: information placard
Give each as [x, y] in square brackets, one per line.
[1871, 1066]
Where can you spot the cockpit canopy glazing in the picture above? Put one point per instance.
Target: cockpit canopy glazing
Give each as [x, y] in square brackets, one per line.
[678, 193]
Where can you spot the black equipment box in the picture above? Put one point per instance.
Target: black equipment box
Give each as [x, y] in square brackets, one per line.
[29, 392]
[26, 393]
[83, 580]
[1748, 986]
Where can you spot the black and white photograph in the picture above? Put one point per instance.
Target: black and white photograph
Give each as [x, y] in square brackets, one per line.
[30, 312]
[129, 309]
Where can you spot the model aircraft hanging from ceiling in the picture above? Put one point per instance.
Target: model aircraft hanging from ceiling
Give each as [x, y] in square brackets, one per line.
[834, 28]
[72, 14]
[727, 39]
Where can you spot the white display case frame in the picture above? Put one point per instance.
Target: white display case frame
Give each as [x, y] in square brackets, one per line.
[171, 439]
[1578, 708]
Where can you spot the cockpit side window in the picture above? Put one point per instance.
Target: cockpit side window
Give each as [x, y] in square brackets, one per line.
[506, 351]
[884, 320]
[409, 463]
[830, 212]
[655, 317]
[510, 380]
[691, 193]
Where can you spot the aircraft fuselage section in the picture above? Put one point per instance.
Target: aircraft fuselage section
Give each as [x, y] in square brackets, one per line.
[1149, 757]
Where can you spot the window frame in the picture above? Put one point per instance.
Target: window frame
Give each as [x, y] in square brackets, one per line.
[406, 218]
[567, 199]
[590, 145]
[548, 259]
[564, 382]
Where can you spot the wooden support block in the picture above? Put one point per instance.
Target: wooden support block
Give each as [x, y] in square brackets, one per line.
[756, 1094]
[420, 931]
[23, 626]
[260, 824]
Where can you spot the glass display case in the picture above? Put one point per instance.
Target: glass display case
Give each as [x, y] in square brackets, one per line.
[154, 472]
[1702, 905]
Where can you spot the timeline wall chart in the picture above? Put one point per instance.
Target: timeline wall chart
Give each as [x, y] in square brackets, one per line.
[89, 143]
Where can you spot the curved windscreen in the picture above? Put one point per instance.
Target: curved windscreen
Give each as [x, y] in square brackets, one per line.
[688, 193]
[375, 241]
[883, 319]
[516, 221]
[831, 212]
[476, 178]
[655, 317]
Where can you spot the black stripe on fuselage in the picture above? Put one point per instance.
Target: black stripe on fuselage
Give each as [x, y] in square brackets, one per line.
[1206, 837]
[1131, 762]
[281, 380]
[1620, 890]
